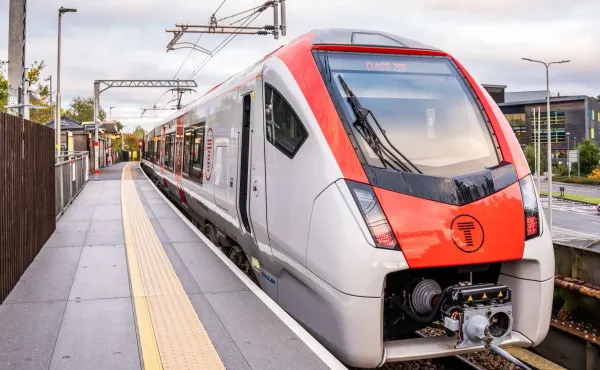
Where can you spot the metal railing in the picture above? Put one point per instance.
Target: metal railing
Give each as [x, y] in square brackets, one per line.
[71, 173]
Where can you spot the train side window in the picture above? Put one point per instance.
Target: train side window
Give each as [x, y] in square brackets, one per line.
[188, 137]
[197, 152]
[283, 129]
[169, 152]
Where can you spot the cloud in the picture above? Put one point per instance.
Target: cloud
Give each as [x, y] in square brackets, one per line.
[126, 39]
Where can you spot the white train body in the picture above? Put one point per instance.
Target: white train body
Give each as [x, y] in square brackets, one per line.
[280, 190]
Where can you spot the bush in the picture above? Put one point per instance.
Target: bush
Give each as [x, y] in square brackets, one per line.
[562, 170]
[529, 152]
[589, 156]
[576, 180]
[595, 174]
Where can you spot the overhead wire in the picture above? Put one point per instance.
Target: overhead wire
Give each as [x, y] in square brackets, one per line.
[223, 44]
[187, 57]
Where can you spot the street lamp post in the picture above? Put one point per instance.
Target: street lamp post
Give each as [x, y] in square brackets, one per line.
[547, 65]
[49, 78]
[110, 113]
[578, 158]
[61, 11]
[568, 156]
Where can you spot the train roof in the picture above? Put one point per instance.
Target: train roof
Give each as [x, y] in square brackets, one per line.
[320, 37]
[365, 38]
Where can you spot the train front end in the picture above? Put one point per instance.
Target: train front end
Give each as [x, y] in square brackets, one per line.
[437, 180]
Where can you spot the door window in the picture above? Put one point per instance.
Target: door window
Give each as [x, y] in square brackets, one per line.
[284, 129]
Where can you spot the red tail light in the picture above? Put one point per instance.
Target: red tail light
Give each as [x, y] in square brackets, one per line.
[530, 207]
[373, 215]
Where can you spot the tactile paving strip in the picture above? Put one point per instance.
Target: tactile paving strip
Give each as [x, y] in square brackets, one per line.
[171, 335]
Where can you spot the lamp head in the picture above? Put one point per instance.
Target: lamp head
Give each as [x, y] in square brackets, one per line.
[66, 10]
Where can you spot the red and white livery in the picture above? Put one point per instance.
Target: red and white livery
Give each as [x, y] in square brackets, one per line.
[373, 188]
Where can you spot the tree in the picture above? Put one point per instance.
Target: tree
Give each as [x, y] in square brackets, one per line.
[82, 110]
[34, 74]
[132, 140]
[3, 86]
[45, 114]
[529, 152]
[589, 156]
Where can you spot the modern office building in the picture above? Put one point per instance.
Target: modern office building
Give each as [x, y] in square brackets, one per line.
[572, 118]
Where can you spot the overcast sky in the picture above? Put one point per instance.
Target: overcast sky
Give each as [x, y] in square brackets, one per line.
[126, 39]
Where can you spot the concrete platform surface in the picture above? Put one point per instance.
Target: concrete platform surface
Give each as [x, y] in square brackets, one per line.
[74, 308]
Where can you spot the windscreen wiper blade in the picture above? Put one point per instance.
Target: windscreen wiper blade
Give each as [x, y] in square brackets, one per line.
[367, 132]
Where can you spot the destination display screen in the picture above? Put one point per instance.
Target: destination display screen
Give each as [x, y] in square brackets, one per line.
[388, 64]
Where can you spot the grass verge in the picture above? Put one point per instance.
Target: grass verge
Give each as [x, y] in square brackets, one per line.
[577, 198]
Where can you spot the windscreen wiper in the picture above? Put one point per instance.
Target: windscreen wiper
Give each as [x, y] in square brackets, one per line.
[366, 131]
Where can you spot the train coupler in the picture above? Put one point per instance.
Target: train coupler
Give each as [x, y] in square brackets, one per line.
[478, 314]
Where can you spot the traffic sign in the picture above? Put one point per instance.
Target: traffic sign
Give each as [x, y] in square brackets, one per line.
[573, 156]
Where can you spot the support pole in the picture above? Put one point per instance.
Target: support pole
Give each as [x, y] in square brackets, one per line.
[16, 50]
[283, 19]
[535, 165]
[96, 143]
[58, 116]
[539, 148]
[549, 150]
[25, 96]
[276, 19]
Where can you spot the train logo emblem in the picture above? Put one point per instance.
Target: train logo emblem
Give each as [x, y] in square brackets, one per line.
[467, 233]
[209, 154]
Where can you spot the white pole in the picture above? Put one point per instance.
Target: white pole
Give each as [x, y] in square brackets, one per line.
[549, 149]
[96, 143]
[539, 149]
[568, 156]
[535, 166]
[25, 95]
[57, 119]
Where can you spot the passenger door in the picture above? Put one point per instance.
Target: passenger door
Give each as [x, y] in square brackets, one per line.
[257, 182]
[288, 207]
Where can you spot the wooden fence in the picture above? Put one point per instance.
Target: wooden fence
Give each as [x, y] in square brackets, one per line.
[27, 209]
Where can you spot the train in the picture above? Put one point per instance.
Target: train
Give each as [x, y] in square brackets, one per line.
[372, 188]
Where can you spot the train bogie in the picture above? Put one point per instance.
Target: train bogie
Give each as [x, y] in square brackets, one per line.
[372, 188]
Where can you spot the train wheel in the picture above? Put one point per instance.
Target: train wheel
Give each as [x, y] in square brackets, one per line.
[237, 256]
[211, 233]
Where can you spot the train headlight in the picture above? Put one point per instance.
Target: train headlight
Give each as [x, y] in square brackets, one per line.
[373, 215]
[530, 207]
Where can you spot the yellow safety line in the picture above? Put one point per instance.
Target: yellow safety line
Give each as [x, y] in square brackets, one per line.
[170, 333]
[533, 359]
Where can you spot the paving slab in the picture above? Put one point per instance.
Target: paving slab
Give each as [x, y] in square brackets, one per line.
[97, 334]
[108, 212]
[209, 272]
[49, 277]
[69, 234]
[177, 230]
[107, 232]
[28, 333]
[257, 335]
[101, 273]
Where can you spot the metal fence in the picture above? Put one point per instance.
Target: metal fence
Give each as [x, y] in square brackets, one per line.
[27, 209]
[71, 173]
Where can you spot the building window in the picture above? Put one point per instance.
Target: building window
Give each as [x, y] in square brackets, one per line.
[284, 129]
[517, 123]
[557, 127]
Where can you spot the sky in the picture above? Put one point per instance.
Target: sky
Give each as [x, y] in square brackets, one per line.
[126, 39]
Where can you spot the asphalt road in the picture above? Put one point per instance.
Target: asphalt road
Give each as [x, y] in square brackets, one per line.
[576, 189]
[573, 221]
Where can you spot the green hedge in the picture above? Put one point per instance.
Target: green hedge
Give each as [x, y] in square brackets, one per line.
[576, 180]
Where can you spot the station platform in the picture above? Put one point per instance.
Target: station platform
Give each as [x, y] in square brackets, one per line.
[126, 282]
